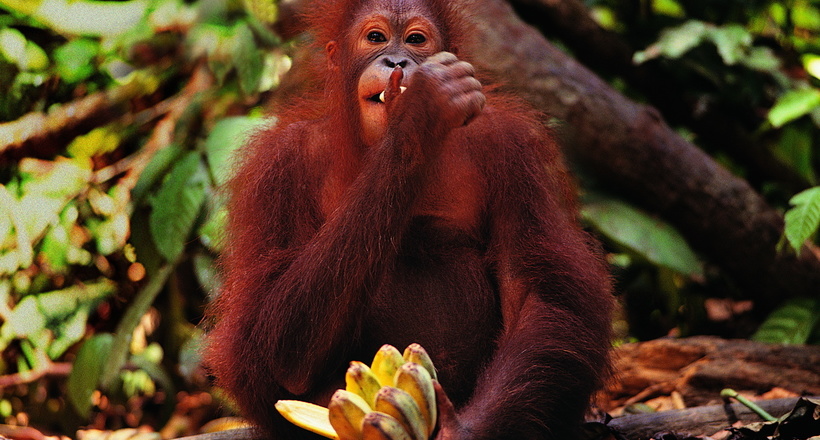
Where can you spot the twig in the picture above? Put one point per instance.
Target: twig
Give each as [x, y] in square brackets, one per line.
[59, 369]
[730, 393]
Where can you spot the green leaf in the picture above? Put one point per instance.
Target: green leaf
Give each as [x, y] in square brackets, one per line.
[125, 329]
[250, 61]
[795, 147]
[92, 18]
[26, 54]
[225, 138]
[26, 319]
[674, 42]
[177, 205]
[792, 105]
[75, 59]
[155, 170]
[668, 7]
[648, 237]
[762, 59]
[803, 220]
[811, 63]
[732, 42]
[791, 323]
[85, 375]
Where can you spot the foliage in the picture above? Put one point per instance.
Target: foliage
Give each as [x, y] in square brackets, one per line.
[756, 61]
[91, 238]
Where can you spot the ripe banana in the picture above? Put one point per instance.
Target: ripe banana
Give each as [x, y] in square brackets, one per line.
[387, 360]
[393, 399]
[346, 413]
[380, 426]
[360, 380]
[306, 415]
[415, 379]
[417, 354]
[401, 405]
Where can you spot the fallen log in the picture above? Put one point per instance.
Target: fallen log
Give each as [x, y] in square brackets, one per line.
[699, 367]
[704, 420]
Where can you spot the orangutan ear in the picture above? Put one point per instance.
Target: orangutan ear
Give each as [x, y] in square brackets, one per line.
[331, 48]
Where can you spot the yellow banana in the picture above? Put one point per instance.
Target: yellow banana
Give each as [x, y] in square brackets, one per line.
[387, 360]
[346, 413]
[380, 426]
[360, 380]
[417, 354]
[399, 404]
[416, 381]
[306, 415]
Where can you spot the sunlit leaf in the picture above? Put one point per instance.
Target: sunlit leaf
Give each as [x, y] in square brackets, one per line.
[732, 42]
[92, 18]
[224, 139]
[85, 375]
[668, 7]
[791, 323]
[674, 42]
[811, 63]
[265, 11]
[75, 59]
[803, 220]
[213, 231]
[250, 61]
[68, 333]
[97, 141]
[643, 235]
[177, 205]
[792, 105]
[762, 59]
[26, 318]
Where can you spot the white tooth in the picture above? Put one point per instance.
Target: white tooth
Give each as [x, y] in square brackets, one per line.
[381, 95]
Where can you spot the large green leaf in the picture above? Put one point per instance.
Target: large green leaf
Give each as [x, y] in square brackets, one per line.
[224, 139]
[85, 374]
[674, 42]
[803, 220]
[177, 205]
[646, 236]
[792, 105]
[250, 61]
[75, 59]
[791, 323]
[160, 163]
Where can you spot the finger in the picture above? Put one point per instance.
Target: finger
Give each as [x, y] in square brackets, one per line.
[446, 411]
[472, 103]
[393, 88]
[443, 58]
[460, 69]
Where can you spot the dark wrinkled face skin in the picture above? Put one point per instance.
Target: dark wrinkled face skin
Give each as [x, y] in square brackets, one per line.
[389, 34]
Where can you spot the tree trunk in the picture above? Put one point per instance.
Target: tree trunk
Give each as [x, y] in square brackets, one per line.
[630, 148]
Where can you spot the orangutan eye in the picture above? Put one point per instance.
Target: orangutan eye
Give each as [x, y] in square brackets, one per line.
[376, 37]
[416, 39]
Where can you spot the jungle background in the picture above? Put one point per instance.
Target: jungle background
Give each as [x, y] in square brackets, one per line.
[692, 126]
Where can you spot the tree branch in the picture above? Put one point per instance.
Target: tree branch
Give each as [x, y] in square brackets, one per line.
[631, 148]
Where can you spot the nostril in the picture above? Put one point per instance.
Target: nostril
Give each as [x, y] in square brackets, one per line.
[391, 63]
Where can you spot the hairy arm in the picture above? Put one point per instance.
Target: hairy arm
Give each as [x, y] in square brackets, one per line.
[296, 283]
[555, 296]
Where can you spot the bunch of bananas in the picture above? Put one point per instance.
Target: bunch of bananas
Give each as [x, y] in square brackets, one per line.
[392, 399]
